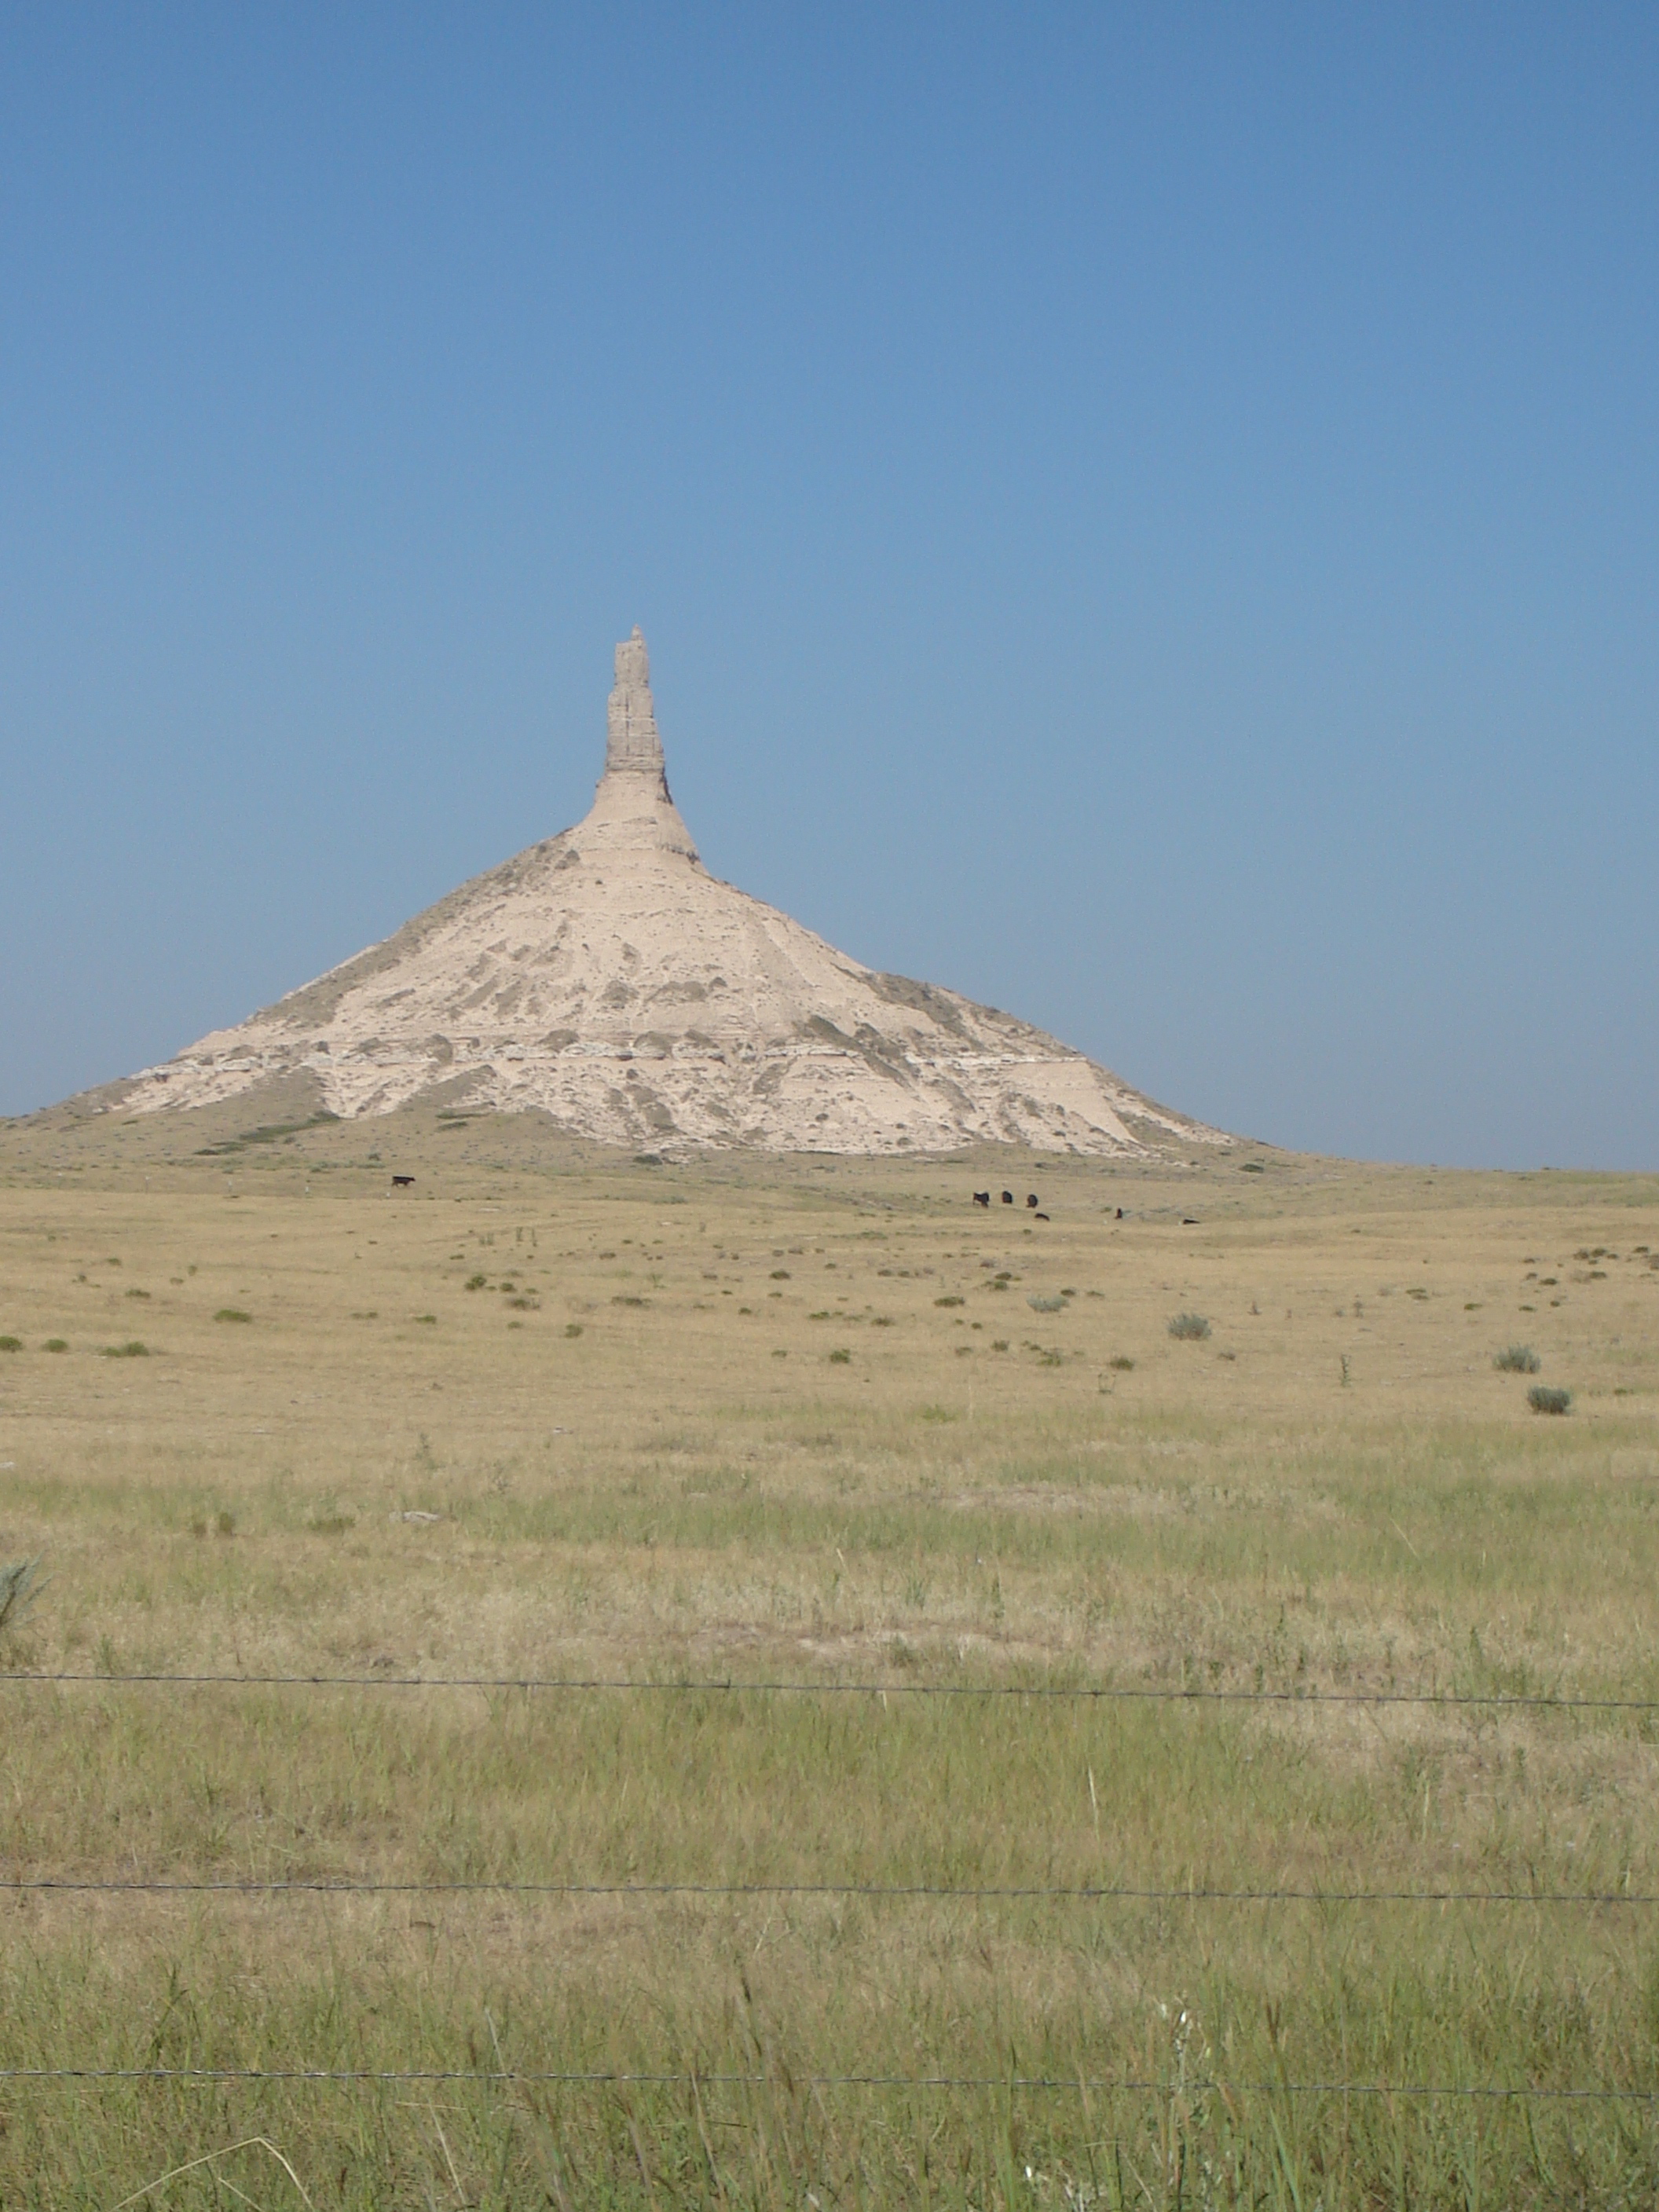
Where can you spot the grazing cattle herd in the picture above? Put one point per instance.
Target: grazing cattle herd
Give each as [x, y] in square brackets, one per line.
[980, 1197]
[983, 1198]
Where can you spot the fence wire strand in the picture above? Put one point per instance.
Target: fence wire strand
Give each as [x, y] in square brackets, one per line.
[1046, 2084]
[1101, 1693]
[1081, 1893]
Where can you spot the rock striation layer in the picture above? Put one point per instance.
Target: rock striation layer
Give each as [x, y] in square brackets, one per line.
[606, 979]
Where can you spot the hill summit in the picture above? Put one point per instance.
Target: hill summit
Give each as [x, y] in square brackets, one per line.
[604, 978]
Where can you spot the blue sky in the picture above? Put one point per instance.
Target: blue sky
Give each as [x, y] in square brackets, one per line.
[1148, 515]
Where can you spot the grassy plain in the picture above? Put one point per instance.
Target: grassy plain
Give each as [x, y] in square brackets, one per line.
[554, 1412]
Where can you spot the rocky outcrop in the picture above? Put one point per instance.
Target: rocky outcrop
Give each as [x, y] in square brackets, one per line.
[606, 978]
[632, 747]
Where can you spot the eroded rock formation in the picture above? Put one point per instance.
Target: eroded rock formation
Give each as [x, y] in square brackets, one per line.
[604, 977]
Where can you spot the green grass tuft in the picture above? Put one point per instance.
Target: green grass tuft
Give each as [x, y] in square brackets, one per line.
[19, 1586]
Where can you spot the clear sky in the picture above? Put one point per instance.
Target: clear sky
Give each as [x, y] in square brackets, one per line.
[1148, 516]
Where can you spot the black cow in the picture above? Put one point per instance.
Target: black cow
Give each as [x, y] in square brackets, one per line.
[982, 1197]
[1007, 1198]
[1031, 1198]
[402, 1182]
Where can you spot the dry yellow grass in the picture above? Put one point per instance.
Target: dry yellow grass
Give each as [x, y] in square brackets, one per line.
[609, 1391]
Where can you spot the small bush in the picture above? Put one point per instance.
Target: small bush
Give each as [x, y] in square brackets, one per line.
[1189, 1327]
[477, 1282]
[225, 1523]
[11, 1344]
[137, 1294]
[998, 1344]
[1121, 1364]
[841, 1358]
[1544, 1398]
[131, 1350]
[573, 1329]
[1516, 1360]
[950, 1301]
[56, 1343]
[780, 1274]
[19, 1586]
[232, 1313]
[332, 1524]
[1046, 1305]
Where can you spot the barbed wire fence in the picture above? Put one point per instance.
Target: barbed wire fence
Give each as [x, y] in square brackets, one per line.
[1061, 2085]
[1096, 1693]
[1087, 1692]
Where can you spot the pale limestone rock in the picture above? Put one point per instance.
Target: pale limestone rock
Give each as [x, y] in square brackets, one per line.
[606, 978]
[632, 747]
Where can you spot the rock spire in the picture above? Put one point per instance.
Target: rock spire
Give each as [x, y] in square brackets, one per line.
[632, 808]
[632, 747]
